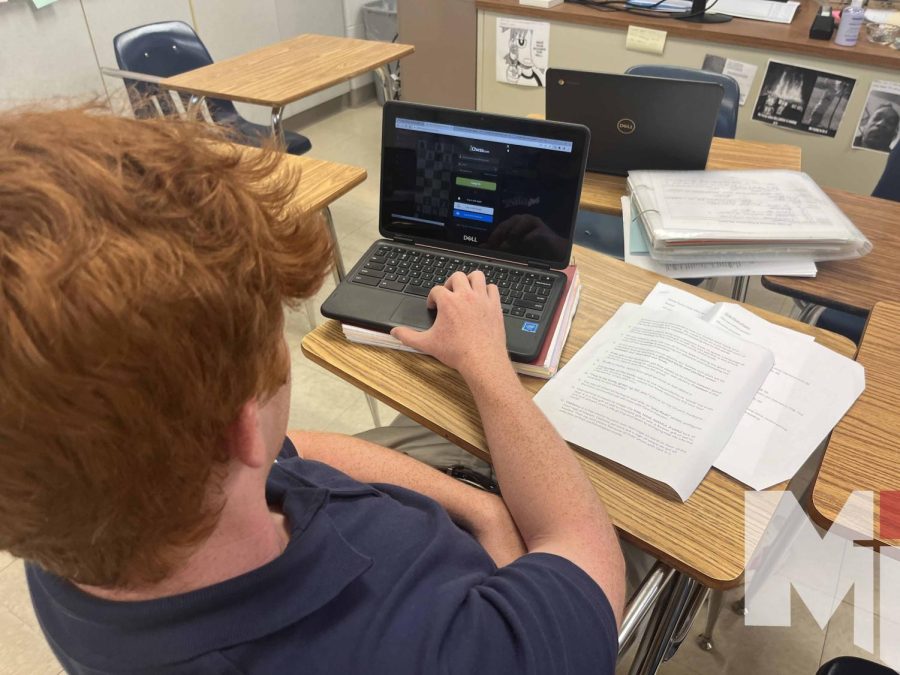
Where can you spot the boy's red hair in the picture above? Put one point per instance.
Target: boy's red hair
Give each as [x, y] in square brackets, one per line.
[143, 265]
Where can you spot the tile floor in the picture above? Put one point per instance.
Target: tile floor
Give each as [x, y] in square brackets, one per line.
[323, 401]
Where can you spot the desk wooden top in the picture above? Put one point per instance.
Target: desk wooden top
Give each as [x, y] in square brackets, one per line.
[854, 285]
[322, 182]
[289, 70]
[791, 38]
[603, 193]
[702, 537]
[862, 453]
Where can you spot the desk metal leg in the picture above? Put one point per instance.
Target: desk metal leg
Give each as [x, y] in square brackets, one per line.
[667, 622]
[810, 313]
[740, 288]
[339, 271]
[643, 600]
[195, 107]
[311, 314]
[373, 409]
[385, 82]
[705, 639]
[698, 597]
[277, 127]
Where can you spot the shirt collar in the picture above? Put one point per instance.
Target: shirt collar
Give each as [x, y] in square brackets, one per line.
[316, 566]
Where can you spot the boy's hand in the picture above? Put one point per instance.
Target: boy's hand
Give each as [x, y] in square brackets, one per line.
[468, 334]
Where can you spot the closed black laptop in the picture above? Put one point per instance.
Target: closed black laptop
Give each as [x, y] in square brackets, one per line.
[463, 190]
[637, 122]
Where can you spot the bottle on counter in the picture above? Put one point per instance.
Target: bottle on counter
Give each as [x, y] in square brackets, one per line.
[851, 21]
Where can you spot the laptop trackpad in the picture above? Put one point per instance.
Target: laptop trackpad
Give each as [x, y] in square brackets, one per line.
[413, 312]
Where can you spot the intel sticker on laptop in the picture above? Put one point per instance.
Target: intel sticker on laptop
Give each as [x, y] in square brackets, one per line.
[529, 326]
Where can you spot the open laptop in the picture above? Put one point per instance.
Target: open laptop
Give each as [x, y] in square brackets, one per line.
[637, 122]
[463, 190]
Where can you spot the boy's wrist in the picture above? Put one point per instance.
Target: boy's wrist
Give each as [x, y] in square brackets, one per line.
[489, 371]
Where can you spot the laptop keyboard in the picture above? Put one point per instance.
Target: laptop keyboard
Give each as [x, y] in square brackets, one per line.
[522, 293]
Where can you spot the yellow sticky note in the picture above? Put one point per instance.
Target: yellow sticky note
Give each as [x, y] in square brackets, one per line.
[645, 40]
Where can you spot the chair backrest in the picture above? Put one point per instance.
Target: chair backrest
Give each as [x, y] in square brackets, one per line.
[853, 665]
[163, 49]
[726, 123]
[889, 185]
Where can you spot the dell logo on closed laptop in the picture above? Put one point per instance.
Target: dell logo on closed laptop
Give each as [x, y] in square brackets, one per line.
[625, 126]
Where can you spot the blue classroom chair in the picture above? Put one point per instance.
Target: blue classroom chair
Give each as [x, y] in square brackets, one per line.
[170, 48]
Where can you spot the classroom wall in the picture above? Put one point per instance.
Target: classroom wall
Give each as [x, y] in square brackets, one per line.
[830, 161]
[45, 53]
[57, 51]
[353, 27]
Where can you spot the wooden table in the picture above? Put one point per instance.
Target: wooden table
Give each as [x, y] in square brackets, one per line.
[321, 182]
[863, 451]
[287, 71]
[702, 537]
[602, 192]
[854, 285]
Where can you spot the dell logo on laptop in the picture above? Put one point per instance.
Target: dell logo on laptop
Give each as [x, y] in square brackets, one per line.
[625, 126]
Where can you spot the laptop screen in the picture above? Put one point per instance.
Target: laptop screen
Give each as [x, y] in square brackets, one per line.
[486, 184]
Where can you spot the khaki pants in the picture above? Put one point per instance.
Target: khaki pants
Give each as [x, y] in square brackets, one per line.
[416, 441]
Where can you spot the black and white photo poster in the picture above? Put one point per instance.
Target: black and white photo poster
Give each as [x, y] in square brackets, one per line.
[800, 98]
[879, 124]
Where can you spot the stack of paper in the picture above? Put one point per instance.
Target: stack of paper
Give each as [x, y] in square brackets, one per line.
[547, 362]
[637, 253]
[716, 216]
[674, 386]
[760, 10]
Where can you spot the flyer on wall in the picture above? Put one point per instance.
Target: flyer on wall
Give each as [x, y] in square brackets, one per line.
[744, 73]
[523, 51]
[794, 97]
[879, 123]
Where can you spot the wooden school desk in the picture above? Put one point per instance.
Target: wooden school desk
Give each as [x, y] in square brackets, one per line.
[702, 538]
[321, 182]
[854, 285]
[863, 451]
[287, 71]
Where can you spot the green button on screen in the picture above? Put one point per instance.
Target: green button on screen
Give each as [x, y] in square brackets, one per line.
[478, 184]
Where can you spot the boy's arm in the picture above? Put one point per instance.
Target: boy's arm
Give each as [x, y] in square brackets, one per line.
[481, 513]
[554, 505]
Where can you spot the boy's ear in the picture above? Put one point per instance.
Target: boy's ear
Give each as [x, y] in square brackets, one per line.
[243, 437]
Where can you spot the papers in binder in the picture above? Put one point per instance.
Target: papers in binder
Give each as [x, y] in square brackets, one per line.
[696, 216]
[637, 253]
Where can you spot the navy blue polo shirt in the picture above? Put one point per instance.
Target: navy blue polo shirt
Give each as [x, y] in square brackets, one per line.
[375, 579]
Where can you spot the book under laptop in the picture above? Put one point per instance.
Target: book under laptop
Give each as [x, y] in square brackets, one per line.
[637, 122]
[463, 190]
